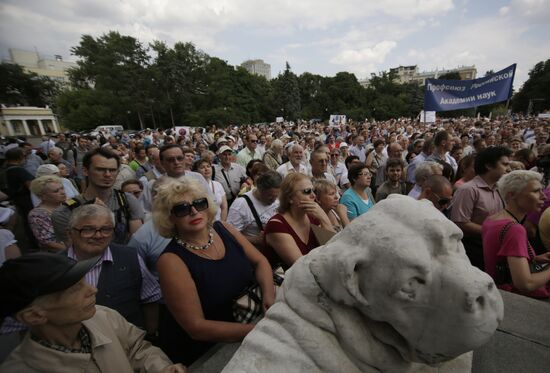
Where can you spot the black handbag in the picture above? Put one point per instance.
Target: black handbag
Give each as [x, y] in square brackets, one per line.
[503, 275]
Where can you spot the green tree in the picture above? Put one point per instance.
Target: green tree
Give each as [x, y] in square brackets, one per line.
[115, 66]
[287, 94]
[535, 92]
[18, 87]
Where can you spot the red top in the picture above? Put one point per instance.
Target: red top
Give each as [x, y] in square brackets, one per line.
[278, 224]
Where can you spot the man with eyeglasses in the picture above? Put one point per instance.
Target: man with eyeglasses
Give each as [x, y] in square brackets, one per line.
[249, 152]
[175, 164]
[438, 190]
[100, 166]
[123, 281]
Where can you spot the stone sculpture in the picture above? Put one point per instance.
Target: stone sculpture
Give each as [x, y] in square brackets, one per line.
[393, 292]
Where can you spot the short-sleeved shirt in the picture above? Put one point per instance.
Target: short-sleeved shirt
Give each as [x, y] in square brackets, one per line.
[474, 201]
[287, 168]
[61, 215]
[246, 155]
[514, 243]
[356, 205]
[40, 222]
[240, 216]
[234, 174]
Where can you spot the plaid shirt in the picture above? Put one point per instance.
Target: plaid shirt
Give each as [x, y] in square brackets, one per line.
[85, 343]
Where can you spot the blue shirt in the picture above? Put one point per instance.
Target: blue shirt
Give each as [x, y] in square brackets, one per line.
[355, 204]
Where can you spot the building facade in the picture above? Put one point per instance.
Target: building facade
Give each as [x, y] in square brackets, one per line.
[54, 68]
[258, 67]
[27, 121]
[410, 74]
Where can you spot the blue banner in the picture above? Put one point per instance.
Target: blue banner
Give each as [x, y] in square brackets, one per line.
[445, 95]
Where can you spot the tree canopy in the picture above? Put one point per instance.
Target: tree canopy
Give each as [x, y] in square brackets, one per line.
[119, 80]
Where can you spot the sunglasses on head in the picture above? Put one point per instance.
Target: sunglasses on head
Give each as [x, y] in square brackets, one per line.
[184, 209]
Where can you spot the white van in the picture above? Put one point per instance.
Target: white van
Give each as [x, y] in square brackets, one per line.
[108, 129]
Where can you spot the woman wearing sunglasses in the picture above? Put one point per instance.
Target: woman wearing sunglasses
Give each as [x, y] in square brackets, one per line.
[358, 199]
[327, 197]
[204, 267]
[509, 258]
[288, 234]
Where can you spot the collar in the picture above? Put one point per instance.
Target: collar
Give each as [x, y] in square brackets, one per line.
[107, 256]
[480, 183]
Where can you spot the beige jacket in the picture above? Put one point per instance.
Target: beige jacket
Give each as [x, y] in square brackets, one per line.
[117, 346]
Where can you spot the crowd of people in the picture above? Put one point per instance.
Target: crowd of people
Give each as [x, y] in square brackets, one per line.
[169, 228]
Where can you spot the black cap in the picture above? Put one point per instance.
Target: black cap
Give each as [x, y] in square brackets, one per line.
[28, 277]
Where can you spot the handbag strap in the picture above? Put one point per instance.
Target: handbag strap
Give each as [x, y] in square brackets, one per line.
[503, 233]
[228, 185]
[254, 212]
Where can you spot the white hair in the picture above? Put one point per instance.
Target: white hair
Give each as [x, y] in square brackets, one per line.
[90, 211]
[515, 181]
[424, 170]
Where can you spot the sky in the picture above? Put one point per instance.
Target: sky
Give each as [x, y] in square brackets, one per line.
[319, 36]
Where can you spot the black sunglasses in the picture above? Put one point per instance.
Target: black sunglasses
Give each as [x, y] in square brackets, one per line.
[307, 191]
[442, 201]
[184, 209]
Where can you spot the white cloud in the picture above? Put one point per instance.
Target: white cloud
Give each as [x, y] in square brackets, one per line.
[364, 60]
[504, 10]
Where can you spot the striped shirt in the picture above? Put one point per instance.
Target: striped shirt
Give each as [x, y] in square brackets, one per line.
[150, 289]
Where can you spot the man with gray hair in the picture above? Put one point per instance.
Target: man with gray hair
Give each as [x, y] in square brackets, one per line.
[294, 164]
[438, 190]
[55, 156]
[123, 281]
[421, 174]
[273, 156]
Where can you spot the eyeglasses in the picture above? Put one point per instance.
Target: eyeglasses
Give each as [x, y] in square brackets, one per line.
[135, 192]
[179, 158]
[442, 201]
[104, 170]
[334, 155]
[184, 209]
[253, 141]
[364, 174]
[89, 232]
[307, 191]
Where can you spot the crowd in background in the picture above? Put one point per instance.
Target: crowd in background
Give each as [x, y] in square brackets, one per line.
[195, 216]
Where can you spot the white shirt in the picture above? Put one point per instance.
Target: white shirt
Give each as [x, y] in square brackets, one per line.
[217, 193]
[287, 168]
[240, 216]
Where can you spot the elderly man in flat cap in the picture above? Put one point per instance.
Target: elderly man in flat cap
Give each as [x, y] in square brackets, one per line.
[67, 331]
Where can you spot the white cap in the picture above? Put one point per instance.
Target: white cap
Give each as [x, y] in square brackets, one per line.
[344, 144]
[224, 148]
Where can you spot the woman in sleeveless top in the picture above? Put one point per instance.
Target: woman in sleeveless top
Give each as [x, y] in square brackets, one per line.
[327, 197]
[288, 234]
[202, 270]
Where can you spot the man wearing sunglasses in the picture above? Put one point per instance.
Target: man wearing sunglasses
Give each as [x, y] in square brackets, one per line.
[173, 160]
[439, 191]
[249, 152]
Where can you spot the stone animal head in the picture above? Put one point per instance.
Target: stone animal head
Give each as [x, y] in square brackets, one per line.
[403, 267]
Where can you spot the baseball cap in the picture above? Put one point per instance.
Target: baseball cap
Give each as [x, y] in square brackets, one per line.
[28, 277]
[344, 144]
[221, 140]
[223, 149]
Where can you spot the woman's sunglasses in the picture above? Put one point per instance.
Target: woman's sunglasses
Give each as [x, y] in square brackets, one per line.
[184, 209]
[307, 191]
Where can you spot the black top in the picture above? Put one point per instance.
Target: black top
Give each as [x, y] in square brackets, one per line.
[218, 282]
